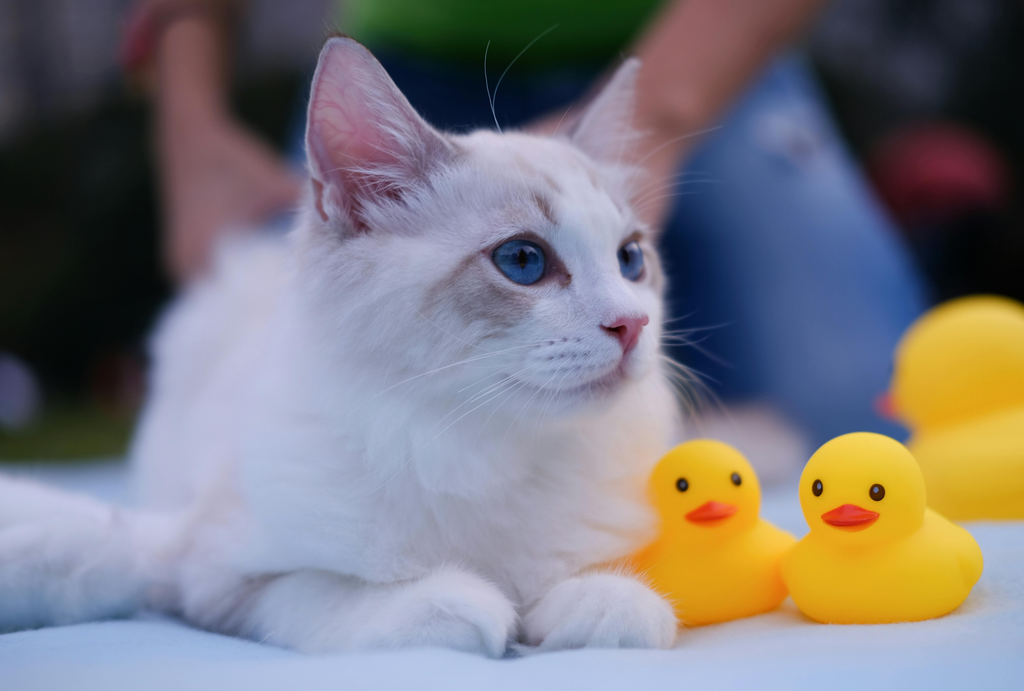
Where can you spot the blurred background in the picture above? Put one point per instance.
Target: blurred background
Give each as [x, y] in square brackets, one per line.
[928, 93]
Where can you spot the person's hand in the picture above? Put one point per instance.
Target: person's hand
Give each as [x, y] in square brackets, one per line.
[217, 178]
[698, 56]
[147, 19]
[215, 175]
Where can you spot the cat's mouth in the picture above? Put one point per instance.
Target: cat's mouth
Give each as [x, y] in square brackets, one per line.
[598, 387]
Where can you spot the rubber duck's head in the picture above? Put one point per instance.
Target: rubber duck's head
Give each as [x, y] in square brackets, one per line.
[963, 359]
[861, 489]
[705, 490]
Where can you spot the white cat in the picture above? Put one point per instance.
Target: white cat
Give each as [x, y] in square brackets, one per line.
[426, 417]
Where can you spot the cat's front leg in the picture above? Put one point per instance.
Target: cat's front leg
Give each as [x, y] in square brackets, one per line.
[318, 611]
[600, 610]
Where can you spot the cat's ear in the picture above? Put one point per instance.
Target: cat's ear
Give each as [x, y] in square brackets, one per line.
[605, 130]
[364, 141]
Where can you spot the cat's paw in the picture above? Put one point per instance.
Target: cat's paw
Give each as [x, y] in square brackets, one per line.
[601, 611]
[450, 608]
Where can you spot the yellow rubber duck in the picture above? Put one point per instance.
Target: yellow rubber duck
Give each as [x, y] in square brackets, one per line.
[714, 559]
[958, 384]
[875, 554]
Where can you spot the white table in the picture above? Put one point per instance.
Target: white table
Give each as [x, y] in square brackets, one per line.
[979, 646]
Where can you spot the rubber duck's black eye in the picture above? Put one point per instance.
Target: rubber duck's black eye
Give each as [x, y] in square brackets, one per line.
[682, 485]
[877, 492]
[817, 487]
[736, 479]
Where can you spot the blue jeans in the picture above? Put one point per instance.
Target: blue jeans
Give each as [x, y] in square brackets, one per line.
[776, 249]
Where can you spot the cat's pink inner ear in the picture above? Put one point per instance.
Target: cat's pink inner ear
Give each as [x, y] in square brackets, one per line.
[363, 137]
[344, 129]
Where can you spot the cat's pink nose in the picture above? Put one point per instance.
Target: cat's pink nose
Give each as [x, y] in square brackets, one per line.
[627, 330]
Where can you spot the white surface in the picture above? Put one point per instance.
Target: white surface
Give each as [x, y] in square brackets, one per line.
[981, 645]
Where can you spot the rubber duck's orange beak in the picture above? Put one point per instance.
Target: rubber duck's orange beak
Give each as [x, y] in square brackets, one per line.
[710, 512]
[850, 516]
[885, 407]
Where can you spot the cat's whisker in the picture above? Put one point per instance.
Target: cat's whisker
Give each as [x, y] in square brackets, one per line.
[681, 317]
[672, 339]
[687, 332]
[478, 358]
[511, 392]
[506, 379]
[488, 390]
[684, 176]
[465, 342]
[539, 389]
[492, 368]
[493, 97]
[527, 404]
[520, 385]
[688, 402]
[651, 202]
[674, 140]
[470, 386]
[559, 124]
[697, 329]
[681, 340]
[645, 198]
[692, 374]
[643, 194]
[550, 399]
[659, 199]
[405, 464]
[693, 391]
[696, 345]
[487, 86]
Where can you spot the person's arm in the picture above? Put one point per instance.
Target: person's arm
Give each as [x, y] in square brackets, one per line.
[698, 55]
[215, 175]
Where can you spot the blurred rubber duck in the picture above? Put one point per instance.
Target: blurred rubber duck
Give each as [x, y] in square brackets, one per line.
[875, 554]
[714, 559]
[958, 384]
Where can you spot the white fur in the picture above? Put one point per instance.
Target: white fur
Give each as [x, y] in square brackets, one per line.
[372, 438]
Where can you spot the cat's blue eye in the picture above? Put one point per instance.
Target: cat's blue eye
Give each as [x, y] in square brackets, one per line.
[631, 261]
[520, 260]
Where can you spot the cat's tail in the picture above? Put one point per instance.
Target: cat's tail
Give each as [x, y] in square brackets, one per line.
[67, 558]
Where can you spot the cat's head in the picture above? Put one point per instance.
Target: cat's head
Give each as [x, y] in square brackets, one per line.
[491, 270]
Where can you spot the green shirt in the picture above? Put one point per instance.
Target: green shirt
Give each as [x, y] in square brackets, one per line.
[588, 31]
